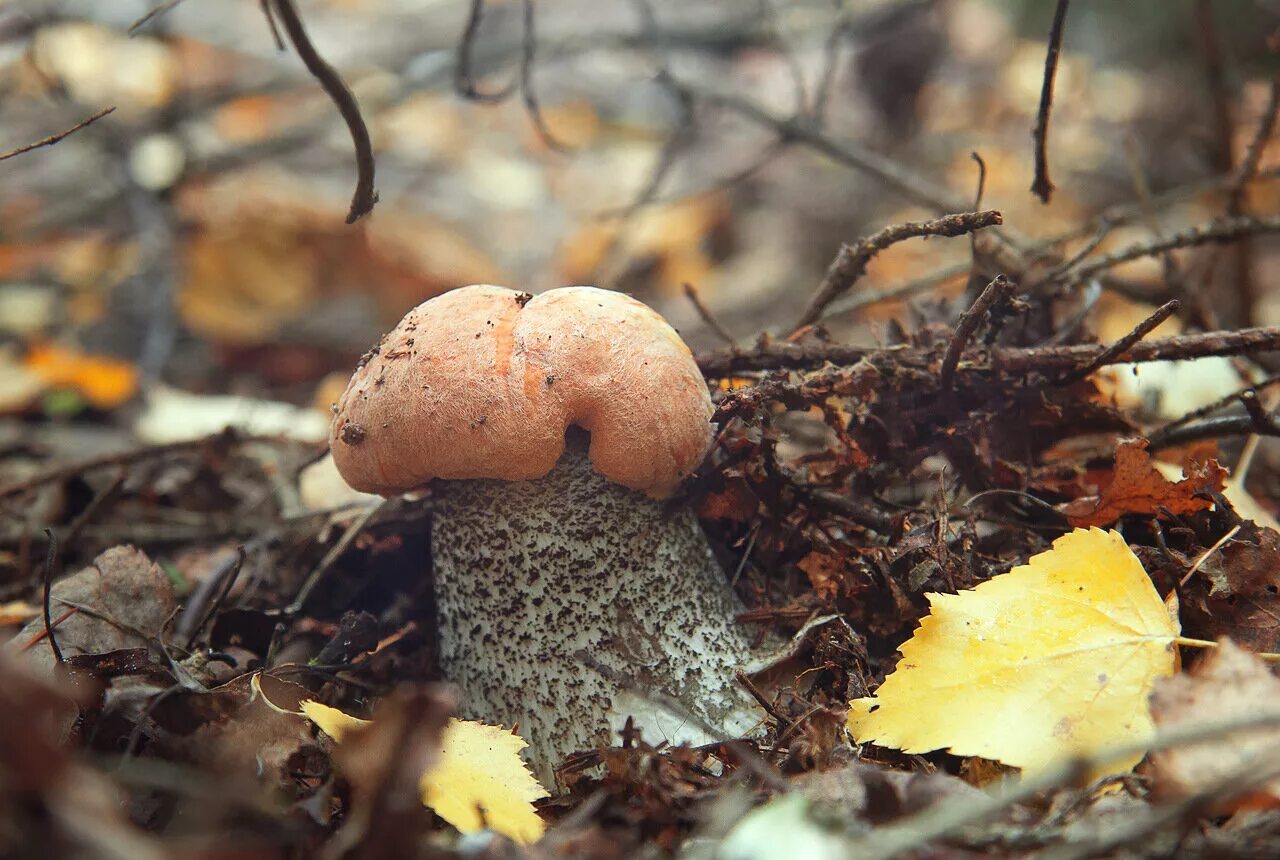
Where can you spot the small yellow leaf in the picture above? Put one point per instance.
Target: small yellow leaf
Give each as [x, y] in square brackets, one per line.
[331, 721]
[1055, 657]
[479, 779]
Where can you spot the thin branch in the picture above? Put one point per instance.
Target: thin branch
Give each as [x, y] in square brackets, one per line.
[1104, 229]
[1221, 403]
[50, 560]
[851, 261]
[1121, 346]
[61, 473]
[149, 16]
[901, 291]
[1253, 155]
[800, 130]
[909, 834]
[771, 355]
[1040, 185]
[52, 139]
[1224, 230]
[528, 52]
[331, 557]
[365, 196]
[265, 6]
[704, 313]
[464, 83]
[967, 324]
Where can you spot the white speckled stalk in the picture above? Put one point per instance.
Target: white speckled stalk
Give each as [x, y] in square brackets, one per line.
[567, 602]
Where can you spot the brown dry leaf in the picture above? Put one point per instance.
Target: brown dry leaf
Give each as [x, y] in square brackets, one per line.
[258, 732]
[824, 571]
[1236, 591]
[1231, 683]
[1137, 487]
[266, 249]
[128, 590]
[734, 502]
[104, 382]
[51, 800]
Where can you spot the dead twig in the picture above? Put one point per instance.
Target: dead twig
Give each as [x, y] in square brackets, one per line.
[62, 473]
[1040, 185]
[335, 552]
[54, 138]
[151, 15]
[528, 53]
[800, 130]
[365, 196]
[851, 261]
[1107, 355]
[50, 560]
[1253, 155]
[1223, 230]
[772, 355]
[1221, 403]
[967, 325]
[704, 314]
[464, 83]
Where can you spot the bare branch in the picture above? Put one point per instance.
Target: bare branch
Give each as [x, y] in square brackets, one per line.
[1040, 185]
[851, 261]
[362, 202]
[52, 139]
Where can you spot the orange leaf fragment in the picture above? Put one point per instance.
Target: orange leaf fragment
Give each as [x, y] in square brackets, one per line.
[1137, 487]
[104, 382]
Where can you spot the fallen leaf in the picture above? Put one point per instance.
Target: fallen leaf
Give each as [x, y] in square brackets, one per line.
[1231, 683]
[332, 721]
[824, 571]
[172, 415]
[128, 598]
[478, 781]
[104, 382]
[1236, 591]
[1055, 657]
[17, 612]
[1138, 487]
[1242, 501]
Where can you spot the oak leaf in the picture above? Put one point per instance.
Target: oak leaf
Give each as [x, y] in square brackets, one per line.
[1055, 657]
[478, 780]
[1138, 487]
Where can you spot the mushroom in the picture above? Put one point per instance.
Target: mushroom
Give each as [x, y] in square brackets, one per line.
[569, 595]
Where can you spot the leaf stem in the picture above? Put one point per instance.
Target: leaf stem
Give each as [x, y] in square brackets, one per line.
[1205, 643]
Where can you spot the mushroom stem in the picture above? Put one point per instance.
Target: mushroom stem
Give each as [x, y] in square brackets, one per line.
[568, 602]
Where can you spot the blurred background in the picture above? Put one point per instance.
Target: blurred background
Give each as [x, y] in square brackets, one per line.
[192, 243]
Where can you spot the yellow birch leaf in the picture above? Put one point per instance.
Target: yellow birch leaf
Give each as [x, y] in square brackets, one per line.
[1054, 658]
[479, 779]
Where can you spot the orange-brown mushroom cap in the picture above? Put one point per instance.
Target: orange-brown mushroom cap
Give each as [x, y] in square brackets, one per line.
[484, 381]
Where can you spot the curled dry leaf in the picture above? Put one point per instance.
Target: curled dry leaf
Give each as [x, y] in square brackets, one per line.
[1054, 658]
[1138, 487]
[1231, 683]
